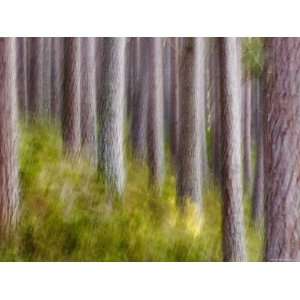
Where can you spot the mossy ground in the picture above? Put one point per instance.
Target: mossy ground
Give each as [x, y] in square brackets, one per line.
[65, 214]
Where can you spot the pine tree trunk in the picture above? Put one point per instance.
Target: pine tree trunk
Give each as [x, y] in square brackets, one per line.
[57, 77]
[281, 148]
[216, 98]
[35, 100]
[189, 179]
[174, 98]
[9, 183]
[258, 192]
[155, 122]
[71, 101]
[21, 45]
[111, 117]
[233, 223]
[247, 133]
[47, 76]
[140, 100]
[88, 99]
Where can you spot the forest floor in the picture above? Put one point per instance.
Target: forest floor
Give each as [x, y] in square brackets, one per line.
[65, 214]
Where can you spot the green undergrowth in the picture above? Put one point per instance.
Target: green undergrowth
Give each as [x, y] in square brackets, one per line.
[66, 214]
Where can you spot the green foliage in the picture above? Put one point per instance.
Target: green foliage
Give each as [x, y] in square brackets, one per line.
[253, 55]
[67, 215]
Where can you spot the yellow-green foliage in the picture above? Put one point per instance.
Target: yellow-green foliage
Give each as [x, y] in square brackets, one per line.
[66, 214]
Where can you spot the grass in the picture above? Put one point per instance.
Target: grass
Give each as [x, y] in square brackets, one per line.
[65, 215]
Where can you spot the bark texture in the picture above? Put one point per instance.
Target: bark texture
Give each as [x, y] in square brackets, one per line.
[9, 183]
[155, 122]
[88, 99]
[111, 117]
[174, 79]
[47, 76]
[57, 77]
[35, 103]
[281, 148]
[71, 101]
[233, 224]
[189, 179]
[140, 99]
[258, 189]
[21, 44]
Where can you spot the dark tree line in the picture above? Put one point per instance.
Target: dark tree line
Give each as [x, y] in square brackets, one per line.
[173, 93]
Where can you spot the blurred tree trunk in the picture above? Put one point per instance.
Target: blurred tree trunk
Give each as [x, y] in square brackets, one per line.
[258, 189]
[189, 179]
[216, 98]
[233, 224]
[281, 148]
[71, 101]
[174, 80]
[155, 122]
[111, 133]
[21, 45]
[247, 132]
[140, 99]
[57, 77]
[9, 183]
[47, 76]
[88, 99]
[36, 46]
[99, 61]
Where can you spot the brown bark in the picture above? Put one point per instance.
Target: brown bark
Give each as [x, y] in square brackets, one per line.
[9, 183]
[155, 124]
[233, 224]
[189, 179]
[35, 100]
[281, 148]
[71, 101]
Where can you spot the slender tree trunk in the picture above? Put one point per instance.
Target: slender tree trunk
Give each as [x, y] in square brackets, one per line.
[140, 100]
[201, 75]
[36, 76]
[216, 98]
[174, 98]
[71, 101]
[47, 76]
[99, 62]
[9, 183]
[281, 148]
[155, 126]
[22, 76]
[247, 133]
[57, 77]
[111, 117]
[189, 179]
[233, 223]
[258, 192]
[88, 99]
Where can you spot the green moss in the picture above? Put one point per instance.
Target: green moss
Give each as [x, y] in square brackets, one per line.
[65, 214]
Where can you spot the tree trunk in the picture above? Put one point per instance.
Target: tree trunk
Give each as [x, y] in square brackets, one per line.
[57, 77]
[216, 98]
[155, 125]
[21, 45]
[36, 46]
[111, 117]
[189, 179]
[258, 192]
[247, 133]
[88, 99]
[140, 100]
[9, 183]
[233, 223]
[174, 99]
[281, 148]
[71, 101]
[47, 76]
